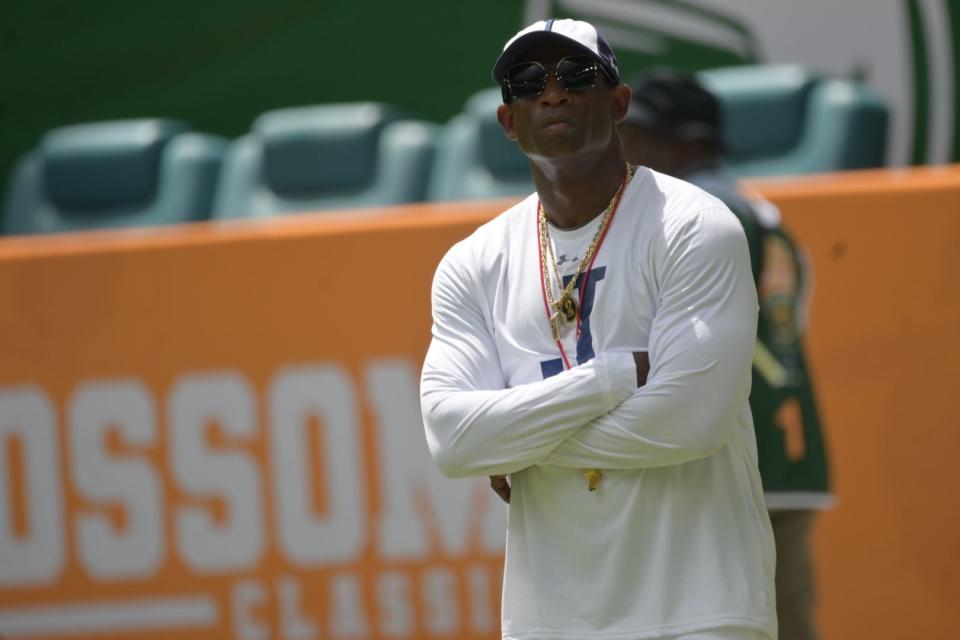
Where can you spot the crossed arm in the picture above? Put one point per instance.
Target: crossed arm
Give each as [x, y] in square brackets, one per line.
[599, 414]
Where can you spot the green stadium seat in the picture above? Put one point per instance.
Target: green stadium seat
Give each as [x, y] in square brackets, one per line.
[338, 156]
[782, 120]
[120, 173]
[474, 159]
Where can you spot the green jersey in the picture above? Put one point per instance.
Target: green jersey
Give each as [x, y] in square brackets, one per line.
[792, 454]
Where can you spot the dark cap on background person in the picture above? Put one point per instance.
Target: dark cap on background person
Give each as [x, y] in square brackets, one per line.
[580, 35]
[675, 104]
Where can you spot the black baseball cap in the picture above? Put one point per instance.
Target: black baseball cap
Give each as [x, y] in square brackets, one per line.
[675, 104]
[576, 33]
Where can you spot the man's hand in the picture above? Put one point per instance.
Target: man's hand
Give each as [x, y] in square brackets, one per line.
[643, 367]
[501, 487]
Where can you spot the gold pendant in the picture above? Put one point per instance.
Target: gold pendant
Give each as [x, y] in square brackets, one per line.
[555, 325]
[568, 307]
[593, 478]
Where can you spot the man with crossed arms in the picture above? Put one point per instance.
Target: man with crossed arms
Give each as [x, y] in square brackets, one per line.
[594, 344]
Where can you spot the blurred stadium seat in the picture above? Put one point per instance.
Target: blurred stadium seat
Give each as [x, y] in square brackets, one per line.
[337, 156]
[474, 159]
[113, 174]
[782, 120]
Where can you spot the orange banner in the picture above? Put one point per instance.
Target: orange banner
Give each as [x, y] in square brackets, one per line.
[213, 431]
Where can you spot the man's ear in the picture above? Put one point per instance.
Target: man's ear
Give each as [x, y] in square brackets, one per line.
[620, 102]
[505, 118]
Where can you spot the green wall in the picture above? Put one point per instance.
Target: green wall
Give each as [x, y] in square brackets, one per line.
[220, 63]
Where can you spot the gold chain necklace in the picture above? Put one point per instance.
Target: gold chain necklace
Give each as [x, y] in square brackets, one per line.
[566, 309]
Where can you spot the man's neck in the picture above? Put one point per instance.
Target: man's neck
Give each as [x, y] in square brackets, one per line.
[576, 190]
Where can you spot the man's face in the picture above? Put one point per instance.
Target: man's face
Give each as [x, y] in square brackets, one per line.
[558, 122]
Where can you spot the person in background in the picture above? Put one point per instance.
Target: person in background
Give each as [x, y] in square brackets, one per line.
[675, 126]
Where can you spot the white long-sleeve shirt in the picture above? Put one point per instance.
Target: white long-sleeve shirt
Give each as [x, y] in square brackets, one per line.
[677, 538]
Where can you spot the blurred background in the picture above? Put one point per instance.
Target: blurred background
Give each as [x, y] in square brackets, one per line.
[217, 65]
[212, 430]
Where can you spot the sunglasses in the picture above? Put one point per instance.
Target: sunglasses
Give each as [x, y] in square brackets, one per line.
[528, 79]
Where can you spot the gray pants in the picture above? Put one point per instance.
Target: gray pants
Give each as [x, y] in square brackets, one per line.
[794, 580]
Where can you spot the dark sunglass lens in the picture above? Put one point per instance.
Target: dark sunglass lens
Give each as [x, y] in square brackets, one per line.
[527, 79]
[577, 73]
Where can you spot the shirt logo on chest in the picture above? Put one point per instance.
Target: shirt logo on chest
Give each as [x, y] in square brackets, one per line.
[586, 288]
[563, 259]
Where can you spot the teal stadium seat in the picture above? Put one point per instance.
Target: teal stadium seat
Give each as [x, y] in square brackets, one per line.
[474, 159]
[120, 173]
[338, 156]
[783, 120]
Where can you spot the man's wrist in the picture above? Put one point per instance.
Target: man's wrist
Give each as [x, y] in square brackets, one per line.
[642, 361]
